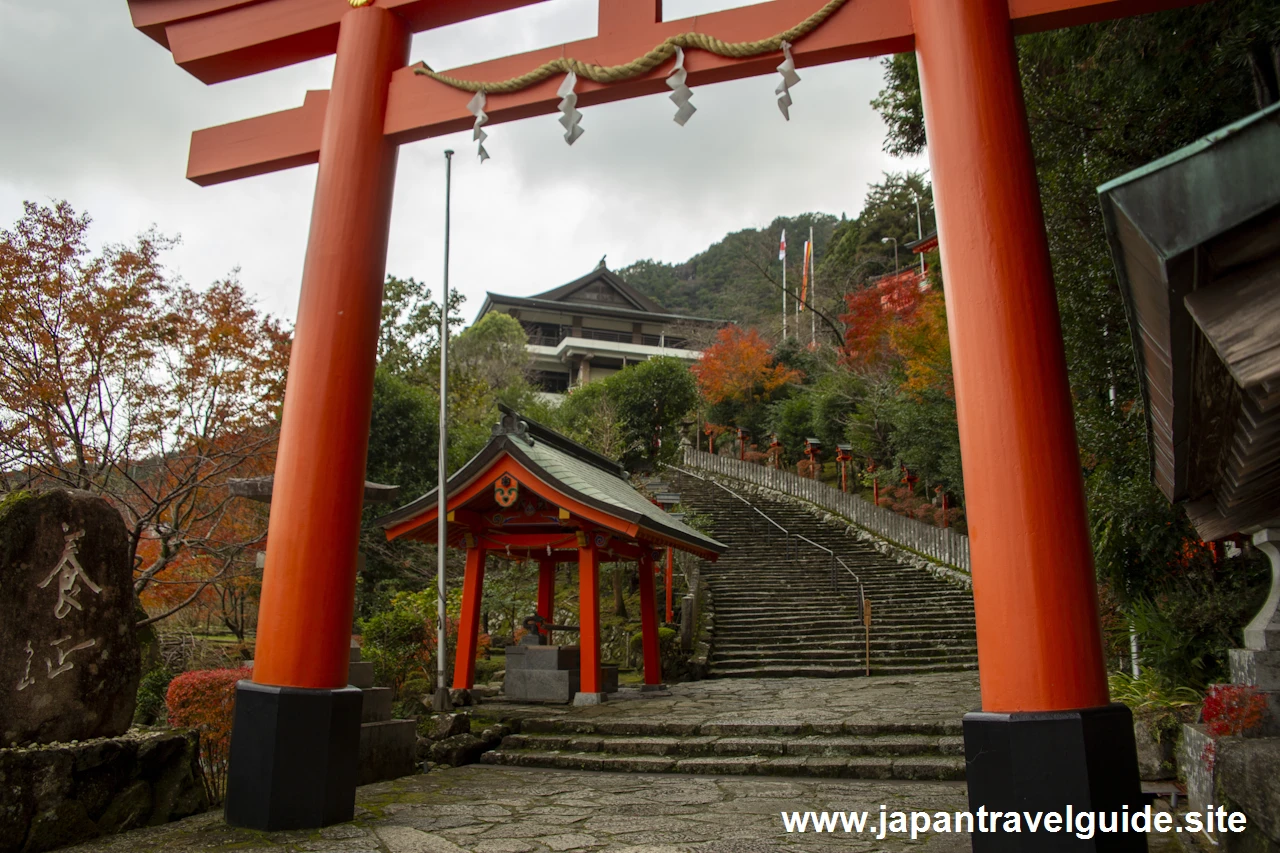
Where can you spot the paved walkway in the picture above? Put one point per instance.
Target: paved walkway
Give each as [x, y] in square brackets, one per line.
[486, 809]
[480, 809]
[813, 705]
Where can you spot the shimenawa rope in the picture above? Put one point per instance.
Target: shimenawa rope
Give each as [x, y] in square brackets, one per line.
[641, 65]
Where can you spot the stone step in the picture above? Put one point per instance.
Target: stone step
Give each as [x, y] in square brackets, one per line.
[850, 658]
[651, 728]
[387, 750]
[803, 671]
[836, 631]
[774, 656]
[377, 704]
[360, 674]
[805, 644]
[888, 745]
[940, 768]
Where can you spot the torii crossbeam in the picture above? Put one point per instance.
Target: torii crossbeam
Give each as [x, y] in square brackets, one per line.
[1047, 736]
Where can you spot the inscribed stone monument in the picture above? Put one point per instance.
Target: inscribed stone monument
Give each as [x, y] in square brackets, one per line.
[69, 662]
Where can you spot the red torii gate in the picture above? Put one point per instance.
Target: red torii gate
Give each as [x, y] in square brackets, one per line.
[1038, 637]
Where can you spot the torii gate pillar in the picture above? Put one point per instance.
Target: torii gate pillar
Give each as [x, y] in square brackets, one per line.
[294, 752]
[1046, 736]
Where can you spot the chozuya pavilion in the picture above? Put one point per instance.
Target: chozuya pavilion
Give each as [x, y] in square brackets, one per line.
[534, 494]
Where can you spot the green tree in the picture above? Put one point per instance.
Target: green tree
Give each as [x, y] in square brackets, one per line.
[410, 331]
[492, 352]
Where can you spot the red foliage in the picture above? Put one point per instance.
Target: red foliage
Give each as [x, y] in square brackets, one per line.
[1232, 709]
[205, 700]
[872, 313]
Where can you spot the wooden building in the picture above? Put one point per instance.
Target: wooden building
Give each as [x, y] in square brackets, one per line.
[596, 325]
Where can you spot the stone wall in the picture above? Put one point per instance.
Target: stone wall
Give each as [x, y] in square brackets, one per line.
[1247, 772]
[57, 794]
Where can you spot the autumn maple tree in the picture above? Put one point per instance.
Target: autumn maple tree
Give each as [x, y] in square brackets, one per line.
[118, 380]
[739, 368]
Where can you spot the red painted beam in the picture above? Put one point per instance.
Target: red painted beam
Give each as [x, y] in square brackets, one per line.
[152, 16]
[237, 38]
[419, 108]
[258, 146]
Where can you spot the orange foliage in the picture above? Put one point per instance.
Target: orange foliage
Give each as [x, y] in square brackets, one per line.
[739, 368]
[921, 341]
[143, 390]
[894, 320]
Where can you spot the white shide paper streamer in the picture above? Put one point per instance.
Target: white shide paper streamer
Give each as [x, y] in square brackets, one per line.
[476, 108]
[789, 78]
[569, 106]
[680, 93]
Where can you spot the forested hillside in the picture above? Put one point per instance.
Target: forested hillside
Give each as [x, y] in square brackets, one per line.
[739, 278]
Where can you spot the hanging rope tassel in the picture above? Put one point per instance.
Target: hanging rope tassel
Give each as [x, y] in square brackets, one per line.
[476, 108]
[789, 78]
[680, 93]
[569, 106]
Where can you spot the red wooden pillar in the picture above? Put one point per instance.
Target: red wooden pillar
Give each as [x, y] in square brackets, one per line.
[464, 660]
[649, 622]
[589, 623]
[1039, 639]
[307, 778]
[547, 588]
[308, 590]
[1039, 643]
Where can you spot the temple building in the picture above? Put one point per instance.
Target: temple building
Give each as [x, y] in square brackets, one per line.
[596, 325]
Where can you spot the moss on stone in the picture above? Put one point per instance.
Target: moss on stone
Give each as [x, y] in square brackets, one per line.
[16, 525]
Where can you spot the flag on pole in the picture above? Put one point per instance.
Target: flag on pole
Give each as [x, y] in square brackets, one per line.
[782, 247]
[804, 276]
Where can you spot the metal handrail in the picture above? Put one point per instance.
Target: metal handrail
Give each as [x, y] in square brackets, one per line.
[788, 534]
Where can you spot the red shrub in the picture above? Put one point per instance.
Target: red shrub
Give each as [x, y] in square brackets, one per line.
[1232, 709]
[205, 700]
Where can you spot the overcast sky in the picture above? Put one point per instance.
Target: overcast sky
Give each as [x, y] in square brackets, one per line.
[94, 112]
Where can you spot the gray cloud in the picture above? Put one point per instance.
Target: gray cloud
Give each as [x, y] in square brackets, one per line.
[96, 113]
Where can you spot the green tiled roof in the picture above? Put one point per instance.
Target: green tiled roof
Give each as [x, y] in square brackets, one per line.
[578, 475]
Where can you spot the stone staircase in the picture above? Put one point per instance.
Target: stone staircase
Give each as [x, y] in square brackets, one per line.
[387, 746]
[923, 751]
[777, 618]
[777, 614]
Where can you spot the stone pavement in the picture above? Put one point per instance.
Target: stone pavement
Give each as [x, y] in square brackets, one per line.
[479, 809]
[817, 705]
[487, 809]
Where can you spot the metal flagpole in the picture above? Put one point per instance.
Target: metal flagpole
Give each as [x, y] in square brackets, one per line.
[442, 702]
[813, 291]
[782, 256]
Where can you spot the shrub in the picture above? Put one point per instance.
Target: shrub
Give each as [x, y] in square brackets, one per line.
[1232, 709]
[204, 700]
[150, 706]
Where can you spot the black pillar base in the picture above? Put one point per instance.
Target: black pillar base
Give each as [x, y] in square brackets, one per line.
[294, 757]
[1046, 761]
